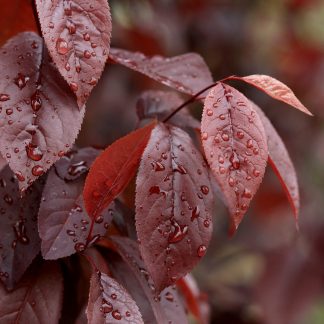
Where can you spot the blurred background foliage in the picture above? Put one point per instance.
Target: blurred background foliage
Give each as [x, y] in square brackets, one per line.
[267, 273]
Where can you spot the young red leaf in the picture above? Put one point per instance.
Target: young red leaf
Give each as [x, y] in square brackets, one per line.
[39, 119]
[159, 104]
[280, 161]
[235, 145]
[173, 205]
[19, 240]
[63, 222]
[110, 303]
[37, 299]
[186, 73]
[164, 308]
[77, 34]
[274, 88]
[113, 170]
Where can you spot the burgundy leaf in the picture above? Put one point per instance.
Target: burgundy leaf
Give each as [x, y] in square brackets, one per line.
[159, 104]
[274, 88]
[281, 163]
[39, 119]
[110, 303]
[173, 205]
[37, 299]
[19, 240]
[186, 73]
[163, 308]
[235, 145]
[77, 34]
[113, 170]
[63, 222]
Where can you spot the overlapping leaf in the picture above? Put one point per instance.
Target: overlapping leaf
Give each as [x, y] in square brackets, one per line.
[159, 104]
[164, 308]
[77, 34]
[114, 169]
[19, 239]
[110, 303]
[39, 118]
[274, 88]
[63, 222]
[235, 145]
[186, 73]
[37, 299]
[280, 161]
[173, 205]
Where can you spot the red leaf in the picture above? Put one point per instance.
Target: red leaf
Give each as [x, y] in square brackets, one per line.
[186, 73]
[114, 169]
[164, 308]
[281, 163]
[37, 299]
[173, 205]
[19, 240]
[16, 16]
[77, 34]
[110, 303]
[39, 117]
[235, 145]
[63, 222]
[274, 88]
[159, 104]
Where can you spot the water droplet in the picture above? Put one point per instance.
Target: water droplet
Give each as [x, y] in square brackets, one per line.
[204, 136]
[106, 308]
[86, 37]
[181, 169]
[71, 27]
[204, 190]
[249, 143]
[21, 80]
[256, 151]
[210, 112]
[4, 97]
[206, 223]
[225, 137]
[222, 117]
[8, 199]
[256, 172]
[234, 159]
[157, 166]
[67, 67]
[154, 190]
[178, 232]
[9, 111]
[62, 46]
[113, 296]
[79, 247]
[20, 232]
[222, 170]
[231, 181]
[70, 233]
[86, 54]
[74, 86]
[128, 314]
[240, 134]
[247, 193]
[195, 213]
[116, 315]
[93, 81]
[51, 25]
[77, 168]
[99, 219]
[169, 297]
[37, 170]
[20, 176]
[34, 152]
[201, 250]
[36, 102]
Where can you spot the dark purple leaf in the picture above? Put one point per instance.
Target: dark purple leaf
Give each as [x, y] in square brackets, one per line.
[173, 205]
[235, 145]
[37, 299]
[186, 73]
[63, 222]
[77, 34]
[19, 239]
[39, 118]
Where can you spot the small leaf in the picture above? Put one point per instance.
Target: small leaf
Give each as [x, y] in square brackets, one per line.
[235, 145]
[110, 303]
[63, 222]
[159, 104]
[281, 163]
[39, 119]
[19, 240]
[37, 299]
[164, 308]
[77, 34]
[274, 88]
[173, 205]
[114, 169]
[186, 73]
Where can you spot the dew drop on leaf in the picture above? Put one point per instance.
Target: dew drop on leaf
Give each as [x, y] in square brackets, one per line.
[62, 46]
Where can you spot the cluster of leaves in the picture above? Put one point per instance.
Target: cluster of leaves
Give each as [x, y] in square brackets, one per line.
[61, 200]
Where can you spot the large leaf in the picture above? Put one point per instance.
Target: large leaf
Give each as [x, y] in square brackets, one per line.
[281, 163]
[274, 88]
[16, 16]
[37, 299]
[39, 118]
[77, 34]
[133, 274]
[186, 73]
[114, 169]
[63, 222]
[173, 205]
[19, 240]
[160, 104]
[110, 303]
[235, 145]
